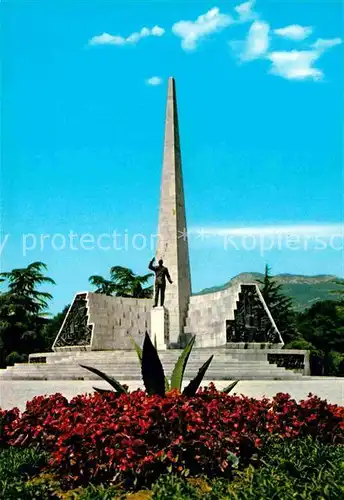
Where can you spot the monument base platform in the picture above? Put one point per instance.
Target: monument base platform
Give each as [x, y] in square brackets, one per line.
[228, 364]
[159, 328]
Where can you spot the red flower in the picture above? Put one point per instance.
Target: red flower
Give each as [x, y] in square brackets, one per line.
[134, 437]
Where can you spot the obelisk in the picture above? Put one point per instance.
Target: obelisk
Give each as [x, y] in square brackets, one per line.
[172, 244]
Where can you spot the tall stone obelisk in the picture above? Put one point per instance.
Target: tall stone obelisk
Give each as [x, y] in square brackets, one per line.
[172, 231]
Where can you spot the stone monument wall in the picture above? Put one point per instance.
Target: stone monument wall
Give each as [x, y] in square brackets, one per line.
[108, 322]
[207, 316]
[214, 317]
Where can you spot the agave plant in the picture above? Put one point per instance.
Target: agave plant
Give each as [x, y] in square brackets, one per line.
[153, 375]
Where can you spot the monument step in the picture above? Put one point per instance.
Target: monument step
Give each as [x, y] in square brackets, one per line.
[195, 365]
[121, 369]
[174, 353]
[49, 372]
[206, 380]
[137, 374]
[216, 372]
[123, 364]
[164, 356]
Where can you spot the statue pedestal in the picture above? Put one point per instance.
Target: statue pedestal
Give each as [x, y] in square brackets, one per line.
[160, 327]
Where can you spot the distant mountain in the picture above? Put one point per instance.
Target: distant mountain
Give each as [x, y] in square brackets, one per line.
[304, 290]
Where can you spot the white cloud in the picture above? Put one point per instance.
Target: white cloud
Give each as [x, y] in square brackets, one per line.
[323, 44]
[107, 39]
[303, 230]
[295, 64]
[154, 80]
[192, 31]
[256, 44]
[292, 64]
[294, 32]
[299, 64]
[245, 11]
[263, 239]
[157, 31]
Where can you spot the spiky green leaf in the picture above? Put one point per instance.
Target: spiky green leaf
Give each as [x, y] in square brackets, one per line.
[101, 391]
[191, 389]
[152, 371]
[137, 349]
[179, 368]
[110, 380]
[231, 386]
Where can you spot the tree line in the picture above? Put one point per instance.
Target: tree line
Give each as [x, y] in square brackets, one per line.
[319, 329]
[26, 326]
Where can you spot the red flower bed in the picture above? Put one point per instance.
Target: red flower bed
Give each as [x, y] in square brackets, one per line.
[137, 437]
[7, 417]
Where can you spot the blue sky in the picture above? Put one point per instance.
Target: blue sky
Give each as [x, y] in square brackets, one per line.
[260, 102]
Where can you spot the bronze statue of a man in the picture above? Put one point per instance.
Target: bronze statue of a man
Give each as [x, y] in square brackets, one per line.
[161, 273]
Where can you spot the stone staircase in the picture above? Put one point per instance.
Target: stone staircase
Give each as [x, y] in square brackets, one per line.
[228, 364]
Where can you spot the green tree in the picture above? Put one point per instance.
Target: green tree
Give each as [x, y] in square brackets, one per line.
[123, 283]
[22, 287]
[23, 310]
[279, 305]
[104, 286]
[323, 326]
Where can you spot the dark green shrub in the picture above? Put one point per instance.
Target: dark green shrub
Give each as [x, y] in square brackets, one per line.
[43, 487]
[21, 463]
[17, 466]
[98, 493]
[300, 343]
[336, 364]
[299, 468]
[15, 357]
[289, 469]
[173, 487]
